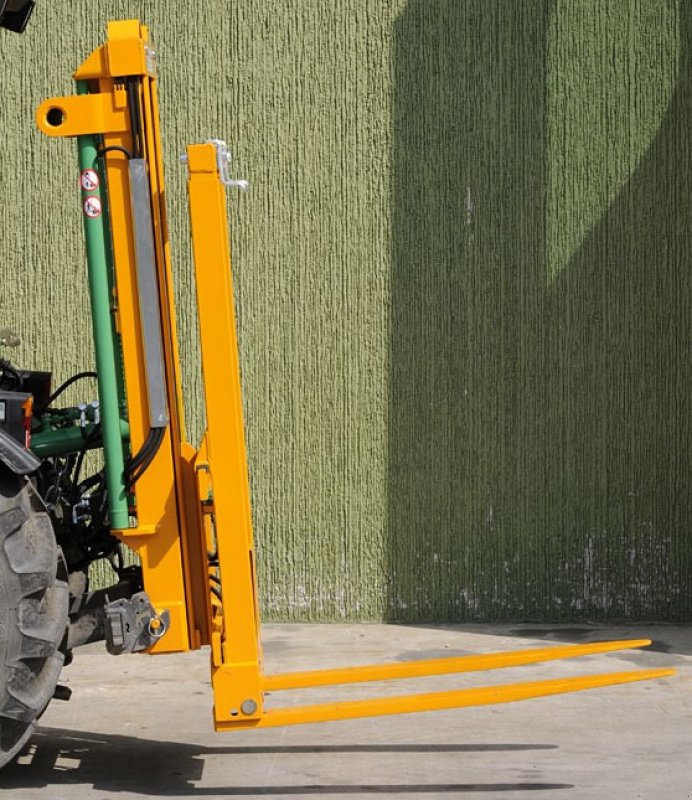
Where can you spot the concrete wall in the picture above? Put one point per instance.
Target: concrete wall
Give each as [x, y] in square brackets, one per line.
[464, 286]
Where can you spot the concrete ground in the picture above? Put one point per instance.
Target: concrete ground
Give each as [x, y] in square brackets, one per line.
[139, 727]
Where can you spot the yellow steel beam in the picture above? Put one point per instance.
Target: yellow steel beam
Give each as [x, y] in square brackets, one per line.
[161, 524]
[236, 652]
[160, 535]
[438, 701]
[440, 666]
[81, 114]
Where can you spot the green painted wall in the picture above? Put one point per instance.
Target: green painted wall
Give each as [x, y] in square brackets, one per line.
[464, 286]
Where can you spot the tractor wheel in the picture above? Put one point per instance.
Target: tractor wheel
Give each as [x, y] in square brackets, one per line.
[33, 612]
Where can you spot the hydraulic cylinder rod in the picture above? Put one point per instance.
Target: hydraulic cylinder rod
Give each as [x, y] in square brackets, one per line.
[104, 346]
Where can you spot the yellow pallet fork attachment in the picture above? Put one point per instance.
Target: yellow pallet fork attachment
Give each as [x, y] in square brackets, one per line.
[188, 513]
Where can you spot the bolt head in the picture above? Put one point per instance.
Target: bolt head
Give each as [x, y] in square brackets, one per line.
[248, 707]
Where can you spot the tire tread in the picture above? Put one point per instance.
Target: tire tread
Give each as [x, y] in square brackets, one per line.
[33, 613]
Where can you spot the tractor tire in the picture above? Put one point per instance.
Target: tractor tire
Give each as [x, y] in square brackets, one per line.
[33, 612]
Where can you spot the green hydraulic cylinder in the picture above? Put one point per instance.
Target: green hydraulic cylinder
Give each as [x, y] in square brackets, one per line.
[51, 442]
[97, 247]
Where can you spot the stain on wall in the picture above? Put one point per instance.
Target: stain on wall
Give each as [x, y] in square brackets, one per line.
[462, 281]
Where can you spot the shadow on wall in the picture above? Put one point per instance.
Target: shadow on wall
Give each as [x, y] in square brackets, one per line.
[539, 457]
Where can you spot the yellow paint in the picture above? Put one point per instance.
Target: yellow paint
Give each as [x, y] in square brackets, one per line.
[89, 113]
[193, 528]
[222, 473]
[439, 701]
[160, 524]
[440, 666]
[126, 48]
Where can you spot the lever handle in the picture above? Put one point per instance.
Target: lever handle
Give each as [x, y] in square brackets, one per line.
[237, 184]
[223, 160]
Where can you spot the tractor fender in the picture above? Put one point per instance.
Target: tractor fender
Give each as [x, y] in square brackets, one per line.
[17, 458]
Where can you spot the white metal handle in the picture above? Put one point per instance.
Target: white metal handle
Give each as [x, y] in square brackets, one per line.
[223, 160]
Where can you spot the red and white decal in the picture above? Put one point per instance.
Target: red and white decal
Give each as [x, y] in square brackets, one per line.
[92, 207]
[89, 180]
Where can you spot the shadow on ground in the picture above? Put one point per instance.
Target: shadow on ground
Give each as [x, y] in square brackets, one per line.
[673, 641]
[113, 763]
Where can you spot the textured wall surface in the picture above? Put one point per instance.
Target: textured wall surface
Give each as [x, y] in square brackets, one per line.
[464, 287]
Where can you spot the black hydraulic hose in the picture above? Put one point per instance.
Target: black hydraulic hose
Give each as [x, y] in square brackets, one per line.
[114, 148]
[135, 469]
[78, 377]
[6, 367]
[54, 493]
[135, 116]
[158, 440]
[93, 433]
[91, 481]
[216, 592]
[134, 461]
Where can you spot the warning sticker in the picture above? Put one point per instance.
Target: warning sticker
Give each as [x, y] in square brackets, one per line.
[89, 180]
[92, 207]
